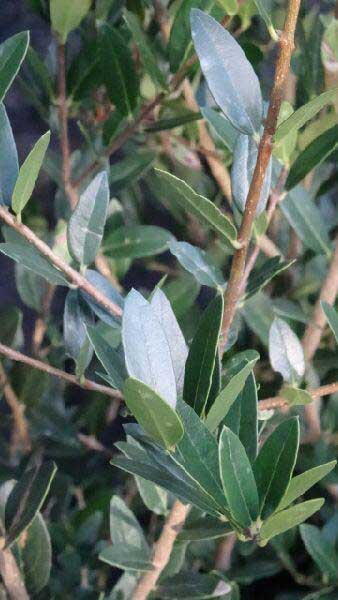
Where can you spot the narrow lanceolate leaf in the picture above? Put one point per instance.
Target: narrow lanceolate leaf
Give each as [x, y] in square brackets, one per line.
[9, 164]
[194, 586]
[126, 557]
[136, 241]
[261, 277]
[28, 174]
[237, 478]
[110, 359]
[314, 154]
[291, 517]
[285, 351]
[146, 348]
[26, 499]
[25, 254]
[227, 396]
[305, 218]
[243, 166]
[204, 210]
[332, 318]
[201, 358]
[221, 127]
[118, 71]
[76, 315]
[305, 113]
[102, 284]
[12, 52]
[265, 8]
[147, 56]
[274, 465]
[153, 413]
[205, 528]
[66, 16]
[321, 550]
[197, 262]
[230, 76]
[303, 482]
[86, 225]
[176, 342]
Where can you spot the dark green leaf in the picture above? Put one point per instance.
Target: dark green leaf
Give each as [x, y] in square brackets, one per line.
[28, 174]
[36, 556]
[165, 124]
[124, 527]
[291, 517]
[30, 258]
[129, 169]
[274, 465]
[332, 318]
[126, 557]
[193, 586]
[201, 358]
[9, 165]
[136, 241]
[237, 478]
[205, 528]
[180, 42]
[76, 317]
[314, 154]
[110, 359]
[197, 262]
[261, 277]
[12, 53]
[265, 9]
[31, 287]
[322, 552]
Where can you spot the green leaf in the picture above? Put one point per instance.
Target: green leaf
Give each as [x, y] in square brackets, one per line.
[75, 318]
[12, 53]
[36, 556]
[265, 8]
[274, 465]
[291, 517]
[165, 124]
[30, 258]
[147, 56]
[146, 348]
[26, 499]
[258, 314]
[180, 43]
[221, 127]
[86, 225]
[201, 358]
[136, 241]
[227, 396]
[102, 284]
[9, 165]
[193, 586]
[237, 478]
[295, 396]
[305, 218]
[230, 77]
[314, 154]
[30, 286]
[125, 528]
[261, 277]
[285, 351]
[304, 114]
[204, 210]
[322, 552]
[242, 170]
[332, 318]
[118, 70]
[303, 482]
[111, 360]
[154, 497]
[153, 413]
[205, 528]
[129, 169]
[28, 174]
[66, 16]
[126, 557]
[197, 262]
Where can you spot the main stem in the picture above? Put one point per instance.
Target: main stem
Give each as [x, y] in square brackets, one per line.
[286, 45]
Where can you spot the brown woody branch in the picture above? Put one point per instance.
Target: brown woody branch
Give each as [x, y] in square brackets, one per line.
[11, 576]
[20, 437]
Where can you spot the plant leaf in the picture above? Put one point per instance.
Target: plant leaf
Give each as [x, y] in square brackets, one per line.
[291, 517]
[197, 262]
[154, 497]
[110, 359]
[221, 127]
[153, 413]
[125, 528]
[9, 165]
[28, 174]
[261, 277]
[205, 528]
[66, 16]
[180, 42]
[193, 586]
[285, 351]
[86, 225]
[322, 552]
[26, 499]
[36, 555]
[136, 241]
[242, 170]
[230, 76]
[304, 114]
[75, 319]
[116, 59]
[102, 284]
[25, 254]
[205, 211]
[237, 478]
[314, 154]
[126, 557]
[295, 396]
[201, 358]
[332, 318]
[265, 9]
[12, 53]
[303, 482]
[274, 465]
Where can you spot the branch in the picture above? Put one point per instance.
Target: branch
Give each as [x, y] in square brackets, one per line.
[11, 576]
[20, 434]
[73, 276]
[286, 45]
[86, 384]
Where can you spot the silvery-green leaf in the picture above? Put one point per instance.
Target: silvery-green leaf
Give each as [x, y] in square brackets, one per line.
[230, 76]
[76, 317]
[102, 284]
[86, 225]
[243, 166]
[9, 165]
[221, 126]
[28, 174]
[12, 52]
[176, 342]
[146, 348]
[197, 262]
[285, 351]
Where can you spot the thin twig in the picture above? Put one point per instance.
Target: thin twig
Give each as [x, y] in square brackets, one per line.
[20, 436]
[286, 45]
[86, 384]
[11, 576]
[73, 276]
